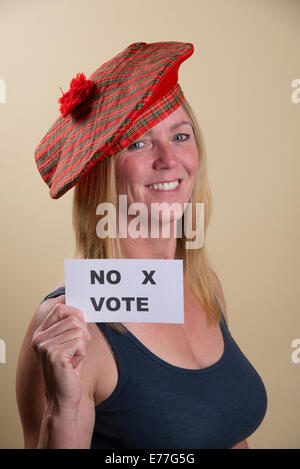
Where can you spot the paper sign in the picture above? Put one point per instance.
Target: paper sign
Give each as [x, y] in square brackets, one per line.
[126, 290]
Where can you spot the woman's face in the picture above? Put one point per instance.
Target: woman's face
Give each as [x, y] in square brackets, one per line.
[167, 153]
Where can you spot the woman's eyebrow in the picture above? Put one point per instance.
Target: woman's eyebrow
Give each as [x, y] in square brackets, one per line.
[173, 127]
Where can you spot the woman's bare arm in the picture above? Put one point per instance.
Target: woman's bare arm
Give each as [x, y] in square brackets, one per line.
[46, 425]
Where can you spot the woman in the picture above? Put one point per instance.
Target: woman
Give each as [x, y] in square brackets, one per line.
[138, 385]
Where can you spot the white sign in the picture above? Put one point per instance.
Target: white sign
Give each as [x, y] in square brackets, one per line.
[126, 290]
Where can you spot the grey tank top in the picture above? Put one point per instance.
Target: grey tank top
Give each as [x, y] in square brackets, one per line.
[158, 405]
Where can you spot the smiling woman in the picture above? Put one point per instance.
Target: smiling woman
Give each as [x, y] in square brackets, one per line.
[162, 157]
[134, 385]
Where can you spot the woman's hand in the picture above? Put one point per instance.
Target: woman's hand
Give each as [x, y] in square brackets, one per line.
[60, 343]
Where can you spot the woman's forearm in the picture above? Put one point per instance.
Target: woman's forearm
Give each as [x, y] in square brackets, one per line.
[58, 429]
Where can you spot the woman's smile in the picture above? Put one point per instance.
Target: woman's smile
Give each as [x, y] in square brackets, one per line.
[165, 186]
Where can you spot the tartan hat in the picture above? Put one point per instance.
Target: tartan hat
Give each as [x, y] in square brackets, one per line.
[121, 100]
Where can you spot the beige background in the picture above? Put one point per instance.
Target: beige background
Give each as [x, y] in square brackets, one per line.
[239, 84]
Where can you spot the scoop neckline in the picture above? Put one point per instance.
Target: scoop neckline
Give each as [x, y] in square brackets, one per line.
[175, 368]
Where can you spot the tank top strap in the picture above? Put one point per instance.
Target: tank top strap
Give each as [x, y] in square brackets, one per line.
[223, 322]
[59, 291]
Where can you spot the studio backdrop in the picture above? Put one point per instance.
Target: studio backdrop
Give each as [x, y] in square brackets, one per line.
[243, 82]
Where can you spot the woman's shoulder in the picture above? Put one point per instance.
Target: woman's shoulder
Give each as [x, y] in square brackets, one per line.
[61, 283]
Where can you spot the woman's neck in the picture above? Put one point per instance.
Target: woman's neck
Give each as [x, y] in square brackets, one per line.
[148, 248]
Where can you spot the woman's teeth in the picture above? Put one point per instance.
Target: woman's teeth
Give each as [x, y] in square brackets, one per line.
[165, 186]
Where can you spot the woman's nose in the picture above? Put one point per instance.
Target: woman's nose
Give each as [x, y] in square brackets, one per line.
[165, 157]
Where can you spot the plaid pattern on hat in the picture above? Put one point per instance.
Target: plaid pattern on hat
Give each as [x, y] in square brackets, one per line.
[132, 92]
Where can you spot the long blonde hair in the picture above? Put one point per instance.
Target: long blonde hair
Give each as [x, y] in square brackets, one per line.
[99, 185]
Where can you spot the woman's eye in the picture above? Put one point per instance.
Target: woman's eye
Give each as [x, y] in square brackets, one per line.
[139, 144]
[185, 137]
[135, 145]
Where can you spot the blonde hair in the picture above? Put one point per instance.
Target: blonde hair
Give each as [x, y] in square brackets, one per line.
[99, 185]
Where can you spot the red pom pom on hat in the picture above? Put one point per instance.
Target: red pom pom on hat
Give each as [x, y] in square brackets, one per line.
[80, 90]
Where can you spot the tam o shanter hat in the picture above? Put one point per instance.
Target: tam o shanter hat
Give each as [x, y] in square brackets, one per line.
[100, 116]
